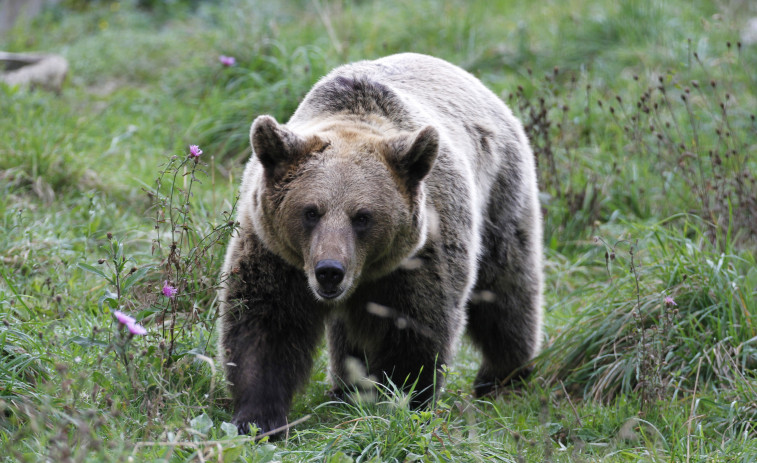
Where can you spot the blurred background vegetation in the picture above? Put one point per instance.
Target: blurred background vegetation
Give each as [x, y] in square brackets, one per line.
[642, 118]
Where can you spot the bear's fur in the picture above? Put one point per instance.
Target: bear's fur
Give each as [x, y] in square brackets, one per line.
[396, 207]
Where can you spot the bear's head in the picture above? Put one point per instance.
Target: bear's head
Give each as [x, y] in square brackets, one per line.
[343, 203]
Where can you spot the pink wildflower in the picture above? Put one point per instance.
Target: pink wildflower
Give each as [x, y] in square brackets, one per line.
[227, 60]
[169, 291]
[669, 301]
[124, 319]
[136, 328]
[130, 322]
[194, 151]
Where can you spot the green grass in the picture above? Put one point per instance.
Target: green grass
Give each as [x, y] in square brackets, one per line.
[648, 190]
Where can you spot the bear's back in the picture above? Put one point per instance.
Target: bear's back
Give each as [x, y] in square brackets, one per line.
[481, 142]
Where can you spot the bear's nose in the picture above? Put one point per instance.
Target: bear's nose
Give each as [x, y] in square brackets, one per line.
[329, 274]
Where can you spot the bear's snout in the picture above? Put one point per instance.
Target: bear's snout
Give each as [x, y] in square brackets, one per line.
[329, 273]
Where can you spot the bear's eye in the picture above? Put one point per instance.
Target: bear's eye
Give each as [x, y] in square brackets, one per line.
[361, 220]
[311, 216]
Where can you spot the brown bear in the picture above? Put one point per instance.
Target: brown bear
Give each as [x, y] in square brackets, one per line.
[396, 207]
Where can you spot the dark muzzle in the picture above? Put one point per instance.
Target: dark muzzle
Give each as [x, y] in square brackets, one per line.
[329, 274]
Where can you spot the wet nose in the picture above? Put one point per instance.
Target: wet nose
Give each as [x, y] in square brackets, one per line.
[329, 274]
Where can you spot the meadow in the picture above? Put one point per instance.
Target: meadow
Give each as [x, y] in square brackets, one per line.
[642, 119]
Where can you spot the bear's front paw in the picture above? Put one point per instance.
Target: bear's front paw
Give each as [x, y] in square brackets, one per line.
[265, 425]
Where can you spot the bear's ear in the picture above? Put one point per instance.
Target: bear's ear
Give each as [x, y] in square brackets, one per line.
[275, 146]
[413, 156]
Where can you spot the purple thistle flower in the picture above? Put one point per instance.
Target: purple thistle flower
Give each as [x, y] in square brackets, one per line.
[136, 328]
[130, 322]
[669, 301]
[124, 319]
[169, 291]
[227, 60]
[194, 151]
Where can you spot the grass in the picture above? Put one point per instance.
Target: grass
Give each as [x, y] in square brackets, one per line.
[641, 115]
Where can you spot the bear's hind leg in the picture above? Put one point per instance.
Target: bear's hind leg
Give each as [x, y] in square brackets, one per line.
[504, 311]
[346, 365]
[407, 359]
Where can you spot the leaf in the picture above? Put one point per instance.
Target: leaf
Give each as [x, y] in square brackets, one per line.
[588, 435]
[229, 430]
[201, 423]
[86, 342]
[265, 452]
[101, 380]
[340, 457]
[134, 277]
[109, 297]
[232, 453]
[554, 428]
[95, 270]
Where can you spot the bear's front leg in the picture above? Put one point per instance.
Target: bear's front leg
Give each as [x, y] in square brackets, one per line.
[270, 326]
[400, 328]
